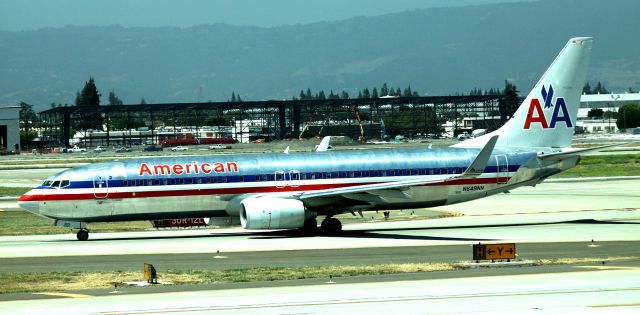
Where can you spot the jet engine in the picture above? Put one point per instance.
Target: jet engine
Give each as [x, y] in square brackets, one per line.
[271, 213]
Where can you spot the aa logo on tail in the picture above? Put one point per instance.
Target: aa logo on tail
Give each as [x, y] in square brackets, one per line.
[536, 113]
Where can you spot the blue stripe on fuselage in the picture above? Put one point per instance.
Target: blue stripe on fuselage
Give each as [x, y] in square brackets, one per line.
[425, 161]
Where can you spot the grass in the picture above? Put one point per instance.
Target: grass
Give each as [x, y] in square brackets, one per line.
[72, 281]
[26, 223]
[13, 191]
[605, 165]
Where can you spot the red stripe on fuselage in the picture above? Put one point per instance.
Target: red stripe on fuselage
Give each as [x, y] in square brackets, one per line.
[232, 190]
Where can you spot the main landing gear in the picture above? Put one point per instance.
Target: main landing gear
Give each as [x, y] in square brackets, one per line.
[331, 226]
[83, 235]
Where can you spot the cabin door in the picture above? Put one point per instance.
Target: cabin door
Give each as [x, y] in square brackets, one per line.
[100, 186]
[502, 169]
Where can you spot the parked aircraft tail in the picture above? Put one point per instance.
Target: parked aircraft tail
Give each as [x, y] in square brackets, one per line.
[547, 117]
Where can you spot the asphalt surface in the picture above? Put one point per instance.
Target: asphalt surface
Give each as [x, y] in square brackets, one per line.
[296, 258]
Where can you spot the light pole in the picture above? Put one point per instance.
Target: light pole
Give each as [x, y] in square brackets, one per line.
[615, 99]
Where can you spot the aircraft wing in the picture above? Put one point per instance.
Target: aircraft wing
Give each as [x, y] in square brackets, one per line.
[475, 169]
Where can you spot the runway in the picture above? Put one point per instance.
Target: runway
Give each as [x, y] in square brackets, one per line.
[604, 291]
[553, 220]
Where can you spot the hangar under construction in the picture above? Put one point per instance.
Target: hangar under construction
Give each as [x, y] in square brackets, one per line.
[358, 119]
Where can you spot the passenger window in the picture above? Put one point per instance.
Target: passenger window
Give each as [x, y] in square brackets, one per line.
[165, 181]
[223, 179]
[241, 178]
[150, 182]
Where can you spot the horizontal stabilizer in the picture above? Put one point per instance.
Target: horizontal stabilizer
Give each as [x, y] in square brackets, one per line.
[575, 151]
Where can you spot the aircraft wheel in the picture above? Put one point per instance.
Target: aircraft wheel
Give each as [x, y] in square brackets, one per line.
[83, 235]
[331, 226]
[310, 226]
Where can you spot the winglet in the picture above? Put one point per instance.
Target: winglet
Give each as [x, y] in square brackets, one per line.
[324, 144]
[286, 150]
[480, 162]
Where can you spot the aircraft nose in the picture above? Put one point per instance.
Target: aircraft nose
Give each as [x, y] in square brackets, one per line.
[30, 202]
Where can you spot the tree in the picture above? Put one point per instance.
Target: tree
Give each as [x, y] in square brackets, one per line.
[407, 91]
[509, 103]
[384, 91]
[28, 120]
[628, 116]
[595, 113]
[344, 95]
[233, 97]
[374, 93]
[89, 95]
[143, 101]
[114, 100]
[365, 93]
[600, 89]
[586, 89]
[88, 99]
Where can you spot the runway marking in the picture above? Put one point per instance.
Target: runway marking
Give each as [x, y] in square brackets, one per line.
[69, 295]
[609, 267]
[359, 301]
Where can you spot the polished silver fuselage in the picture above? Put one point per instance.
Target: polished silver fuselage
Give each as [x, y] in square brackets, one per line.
[212, 185]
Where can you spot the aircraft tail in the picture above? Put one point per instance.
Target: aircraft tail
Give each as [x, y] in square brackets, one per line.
[547, 117]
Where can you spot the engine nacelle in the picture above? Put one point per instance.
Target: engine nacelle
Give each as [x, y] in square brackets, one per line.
[271, 213]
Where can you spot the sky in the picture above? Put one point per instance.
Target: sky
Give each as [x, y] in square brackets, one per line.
[19, 15]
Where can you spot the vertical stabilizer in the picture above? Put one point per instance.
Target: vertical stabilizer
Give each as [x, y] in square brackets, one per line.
[547, 117]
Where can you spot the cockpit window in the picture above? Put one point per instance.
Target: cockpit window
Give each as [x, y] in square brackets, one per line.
[46, 183]
[55, 184]
[64, 183]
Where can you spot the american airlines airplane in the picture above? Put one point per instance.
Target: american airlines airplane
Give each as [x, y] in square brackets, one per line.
[288, 191]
